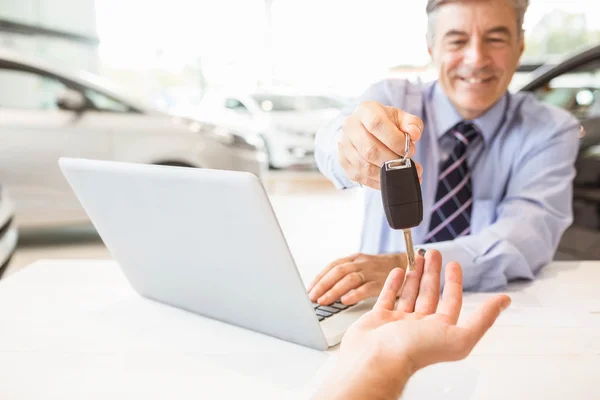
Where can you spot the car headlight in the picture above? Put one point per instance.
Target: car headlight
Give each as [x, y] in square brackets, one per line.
[304, 133]
[296, 132]
[252, 142]
[226, 136]
[249, 142]
[255, 140]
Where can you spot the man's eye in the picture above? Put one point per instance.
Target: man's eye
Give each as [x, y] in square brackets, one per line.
[458, 42]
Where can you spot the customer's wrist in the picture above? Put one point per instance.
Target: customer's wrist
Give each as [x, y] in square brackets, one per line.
[371, 375]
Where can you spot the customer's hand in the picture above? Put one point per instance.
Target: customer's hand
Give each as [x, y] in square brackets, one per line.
[354, 278]
[390, 343]
[372, 135]
[421, 328]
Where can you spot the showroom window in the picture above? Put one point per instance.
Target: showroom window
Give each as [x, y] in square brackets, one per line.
[577, 92]
[29, 90]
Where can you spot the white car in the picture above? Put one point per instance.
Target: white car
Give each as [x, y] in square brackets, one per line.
[47, 112]
[287, 123]
[8, 231]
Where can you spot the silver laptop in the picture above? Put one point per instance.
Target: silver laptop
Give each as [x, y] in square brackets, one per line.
[206, 241]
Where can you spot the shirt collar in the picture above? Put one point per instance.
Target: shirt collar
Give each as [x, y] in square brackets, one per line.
[446, 116]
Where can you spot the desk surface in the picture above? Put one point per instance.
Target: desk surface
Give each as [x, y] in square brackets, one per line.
[75, 329]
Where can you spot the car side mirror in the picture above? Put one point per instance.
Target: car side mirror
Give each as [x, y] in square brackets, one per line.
[71, 100]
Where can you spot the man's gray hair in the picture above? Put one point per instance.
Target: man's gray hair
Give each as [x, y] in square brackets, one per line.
[520, 7]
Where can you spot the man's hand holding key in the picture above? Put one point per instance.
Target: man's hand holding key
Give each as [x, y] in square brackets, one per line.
[372, 135]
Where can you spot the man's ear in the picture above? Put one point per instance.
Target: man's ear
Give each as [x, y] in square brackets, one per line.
[522, 44]
[429, 49]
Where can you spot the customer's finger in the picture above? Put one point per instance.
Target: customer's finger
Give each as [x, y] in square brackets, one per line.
[332, 277]
[452, 297]
[410, 290]
[482, 319]
[391, 287]
[368, 290]
[343, 286]
[332, 264]
[429, 290]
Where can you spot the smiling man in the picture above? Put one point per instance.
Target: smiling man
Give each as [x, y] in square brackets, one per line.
[497, 168]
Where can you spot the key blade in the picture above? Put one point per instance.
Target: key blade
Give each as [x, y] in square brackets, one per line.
[410, 249]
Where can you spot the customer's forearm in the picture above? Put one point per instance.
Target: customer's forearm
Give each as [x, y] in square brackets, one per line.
[364, 381]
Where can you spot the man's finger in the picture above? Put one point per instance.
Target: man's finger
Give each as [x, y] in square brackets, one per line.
[369, 289]
[410, 290]
[349, 282]
[419, 169]
[452, 297]
[332, 277]
[370, 148]
[377, 121]
[482, 319]
[406, 122]
[357, 169]
[429, 291]
[332, 264]
[393, 283]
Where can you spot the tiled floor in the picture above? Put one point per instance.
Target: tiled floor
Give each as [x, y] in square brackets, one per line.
[319, 222]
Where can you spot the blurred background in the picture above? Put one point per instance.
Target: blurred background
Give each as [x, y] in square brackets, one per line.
[241, 85]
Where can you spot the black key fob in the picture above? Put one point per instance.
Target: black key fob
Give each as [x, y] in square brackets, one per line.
[401, 194]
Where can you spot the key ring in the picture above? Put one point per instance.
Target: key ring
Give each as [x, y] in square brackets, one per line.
[406, 148]
[403, 162]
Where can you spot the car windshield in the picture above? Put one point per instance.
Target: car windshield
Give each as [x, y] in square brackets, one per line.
[296, 103]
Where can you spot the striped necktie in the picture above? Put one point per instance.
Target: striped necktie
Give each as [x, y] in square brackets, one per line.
[451, 213]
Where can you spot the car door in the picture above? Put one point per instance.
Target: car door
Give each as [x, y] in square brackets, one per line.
[35, 131]
[575, 87]
[577, 90]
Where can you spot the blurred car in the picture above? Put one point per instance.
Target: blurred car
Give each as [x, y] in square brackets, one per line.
[8, 231]
[47, 112]
[287, 123]
[574, 85]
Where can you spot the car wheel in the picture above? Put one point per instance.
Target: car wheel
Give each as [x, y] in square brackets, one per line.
[4, 266]
[268, 152]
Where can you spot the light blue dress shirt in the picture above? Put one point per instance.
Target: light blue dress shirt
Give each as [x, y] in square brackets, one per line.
[522, 176]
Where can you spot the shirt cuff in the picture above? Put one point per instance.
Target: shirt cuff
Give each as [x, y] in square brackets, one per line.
[453, 251]
[339, 177]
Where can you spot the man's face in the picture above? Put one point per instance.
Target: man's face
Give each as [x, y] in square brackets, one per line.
[476, 48]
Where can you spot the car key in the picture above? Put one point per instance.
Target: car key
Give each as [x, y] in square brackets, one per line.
[402, 199]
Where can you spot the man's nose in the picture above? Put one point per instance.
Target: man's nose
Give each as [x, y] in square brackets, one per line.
[476, 54]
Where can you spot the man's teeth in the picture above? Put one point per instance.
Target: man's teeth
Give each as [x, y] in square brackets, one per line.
[474, 80]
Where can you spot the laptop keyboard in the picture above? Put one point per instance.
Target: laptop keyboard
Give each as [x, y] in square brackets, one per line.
[327, 311]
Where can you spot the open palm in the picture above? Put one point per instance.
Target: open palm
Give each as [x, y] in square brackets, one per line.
[420, 329]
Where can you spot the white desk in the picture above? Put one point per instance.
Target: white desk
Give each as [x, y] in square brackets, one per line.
[75, 330]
